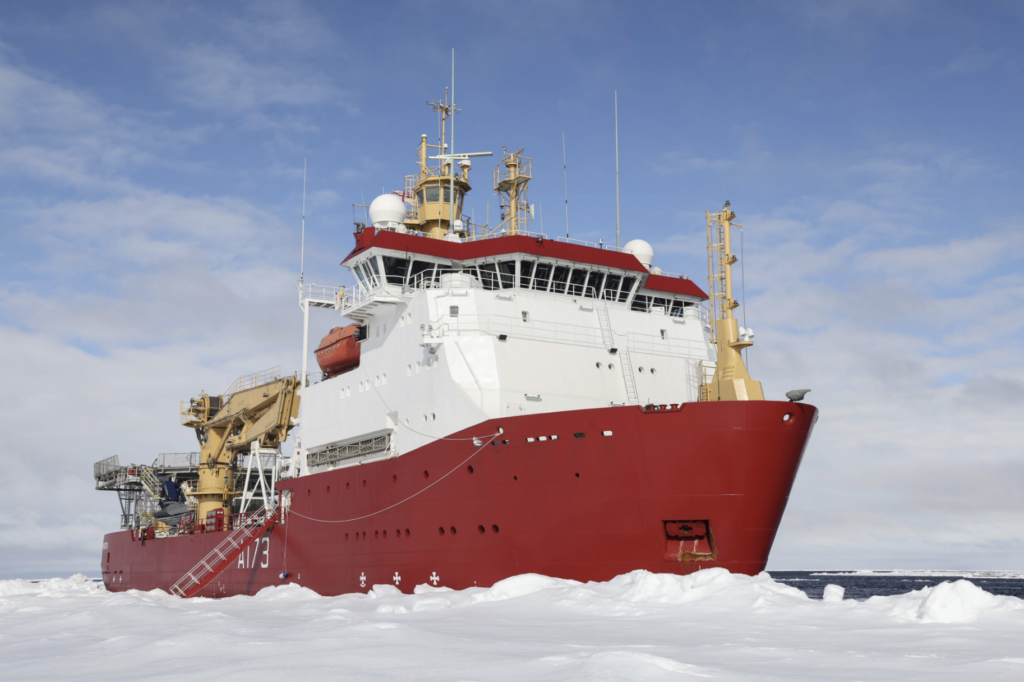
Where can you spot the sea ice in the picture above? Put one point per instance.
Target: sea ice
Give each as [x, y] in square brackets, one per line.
[638, 626]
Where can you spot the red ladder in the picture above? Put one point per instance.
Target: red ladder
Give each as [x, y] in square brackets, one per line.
[214, 563]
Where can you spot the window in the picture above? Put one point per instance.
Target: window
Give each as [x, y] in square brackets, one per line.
[419, 197]
[559, 279]
[453, 310]
[433, 193]
[489, 276]
[677, 308]
[640, 303]
[526, 316]
[593, 285]
[611, 287]
[421, 273]
[541, 275]
[659, 302]
[525, 272]
[372, 268]
[627, 286]
[507, 272]
[359, 273]
[577, 281]
[395, 269]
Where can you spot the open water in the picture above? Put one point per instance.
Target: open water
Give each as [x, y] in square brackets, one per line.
[861, 585]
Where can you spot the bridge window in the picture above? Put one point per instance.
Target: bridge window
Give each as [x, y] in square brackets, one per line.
[507, 271]
[372, 270]
[677, 308]
[419, 197]
[559, 279]
[611, 287]
[489, 276]
[577, 281]
[433, 194]
[541, 275]
[641, 303]
[627, 287]
[525, 273]
[421, 273]
[593, 284]
[395, 269]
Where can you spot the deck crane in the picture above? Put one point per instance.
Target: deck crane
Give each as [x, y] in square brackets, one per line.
[258, 408]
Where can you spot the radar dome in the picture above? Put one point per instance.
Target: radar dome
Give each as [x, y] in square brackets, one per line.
[387, 212]
[642, 250]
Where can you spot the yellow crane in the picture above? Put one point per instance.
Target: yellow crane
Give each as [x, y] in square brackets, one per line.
[259, 407]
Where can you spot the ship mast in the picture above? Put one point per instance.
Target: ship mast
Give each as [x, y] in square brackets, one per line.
[731, 380]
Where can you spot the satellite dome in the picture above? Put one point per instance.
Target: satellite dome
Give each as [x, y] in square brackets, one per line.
[387, 212]
[643, 251]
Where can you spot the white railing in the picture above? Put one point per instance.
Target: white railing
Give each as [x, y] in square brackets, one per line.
[319, 294]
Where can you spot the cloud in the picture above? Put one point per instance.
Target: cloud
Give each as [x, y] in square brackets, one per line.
[221, 79]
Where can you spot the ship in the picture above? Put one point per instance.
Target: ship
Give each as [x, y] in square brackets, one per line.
[493, 401]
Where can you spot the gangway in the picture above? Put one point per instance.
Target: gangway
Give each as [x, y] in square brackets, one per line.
[226, 552]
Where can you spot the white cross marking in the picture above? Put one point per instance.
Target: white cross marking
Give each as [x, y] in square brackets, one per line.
[397, 578]
[362, 580]
[434, 578]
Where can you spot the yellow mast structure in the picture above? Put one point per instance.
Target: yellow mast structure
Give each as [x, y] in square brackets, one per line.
[258, 407]
[511, 186]
[731, 380]
[428, 194]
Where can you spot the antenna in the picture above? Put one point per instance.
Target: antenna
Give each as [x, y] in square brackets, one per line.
[302, 249]
[617, 244]
[451, 162]
[565, 176]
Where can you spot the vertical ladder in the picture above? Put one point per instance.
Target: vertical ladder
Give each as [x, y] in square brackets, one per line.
[226, 552]
[606, 325]
[623, 353]
[627, 375]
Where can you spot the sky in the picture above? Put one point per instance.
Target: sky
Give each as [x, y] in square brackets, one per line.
[151, 184]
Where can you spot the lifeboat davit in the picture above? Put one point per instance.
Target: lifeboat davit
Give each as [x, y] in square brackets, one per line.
[339, 351]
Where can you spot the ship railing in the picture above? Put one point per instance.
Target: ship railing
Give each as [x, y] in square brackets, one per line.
[176, 460]
[264, 376]
[320, 296]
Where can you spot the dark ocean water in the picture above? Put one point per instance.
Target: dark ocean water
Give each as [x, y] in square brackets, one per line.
[861, 586]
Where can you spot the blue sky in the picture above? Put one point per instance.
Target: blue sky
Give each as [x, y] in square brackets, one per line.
[151, 161]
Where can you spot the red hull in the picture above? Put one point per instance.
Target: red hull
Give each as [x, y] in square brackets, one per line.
[586, 508]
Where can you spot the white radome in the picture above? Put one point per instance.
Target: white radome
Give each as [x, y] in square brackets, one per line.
[643, 251]
[387, 212]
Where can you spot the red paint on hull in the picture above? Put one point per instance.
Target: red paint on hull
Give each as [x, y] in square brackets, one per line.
[585, 508]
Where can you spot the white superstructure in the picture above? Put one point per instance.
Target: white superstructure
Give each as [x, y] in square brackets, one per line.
[453, 340]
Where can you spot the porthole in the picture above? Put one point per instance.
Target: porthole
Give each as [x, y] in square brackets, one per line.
[426, 474]
[611, 366]
[606, 433]
[653, 371]
[494, 528]
[346, 486]
[406, 532]
[470, 468]
[308, 492]
[364, 534]
[440, 531]
[364, 482]
[598, 365]
[786, 417]
[577, 474]
[386, 533]
[394, 478]
[433, 417]
[481, 529]
[641, 370]
[453, 530]
[398, 532]
[376, 533]
[328, 490]
[346, 536]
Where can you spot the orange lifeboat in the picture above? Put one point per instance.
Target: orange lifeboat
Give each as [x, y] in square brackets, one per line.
[339, 351]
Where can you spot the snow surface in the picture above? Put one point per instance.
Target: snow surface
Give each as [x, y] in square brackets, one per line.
[638, 626]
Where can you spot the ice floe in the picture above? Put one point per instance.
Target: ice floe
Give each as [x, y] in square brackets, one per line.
[638, 626]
